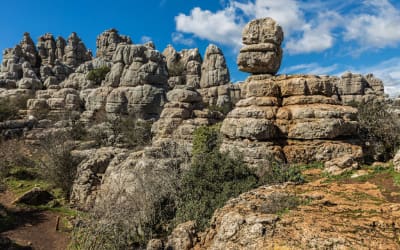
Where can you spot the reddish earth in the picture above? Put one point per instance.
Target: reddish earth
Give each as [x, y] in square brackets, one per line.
[33, 227]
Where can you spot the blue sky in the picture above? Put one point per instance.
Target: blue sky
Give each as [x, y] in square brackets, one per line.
[321, 36]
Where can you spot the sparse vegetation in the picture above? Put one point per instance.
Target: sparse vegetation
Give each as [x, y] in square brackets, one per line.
[379, 130]
[57, 165]
[98, 75]
[212, 179]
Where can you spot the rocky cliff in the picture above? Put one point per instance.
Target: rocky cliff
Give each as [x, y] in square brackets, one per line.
[285, 118]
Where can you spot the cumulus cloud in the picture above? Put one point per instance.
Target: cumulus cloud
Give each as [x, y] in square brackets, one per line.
[309, 26]
[221, 26]
[302, 36]
[310, 68]
[377, 29]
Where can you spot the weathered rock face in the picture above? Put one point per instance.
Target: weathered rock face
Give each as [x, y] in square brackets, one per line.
[184, 67]
[75, 51]
[262, 53]
[288, 118]
[107, 42]
[251, 221]
[90, 172]
[55, 104]
[356, 88]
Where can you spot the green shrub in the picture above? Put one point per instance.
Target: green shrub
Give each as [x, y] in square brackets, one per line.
[98, 75]
[379, 131]
[212, 179]
[279, 173]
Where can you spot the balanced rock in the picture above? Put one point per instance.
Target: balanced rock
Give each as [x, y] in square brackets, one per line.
[294, 118]
[262, 53]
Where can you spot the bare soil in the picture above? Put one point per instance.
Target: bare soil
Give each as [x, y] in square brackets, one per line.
[33, 227]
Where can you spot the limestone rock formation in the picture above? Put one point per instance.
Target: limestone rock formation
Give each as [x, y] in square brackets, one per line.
[324, 217]
[184, 67]
[288, 118]
[262, 53]
[356, 88]
[75, 51]
[90, 172]
[107, 42]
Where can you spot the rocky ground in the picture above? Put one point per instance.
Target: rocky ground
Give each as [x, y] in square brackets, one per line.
[353, 211]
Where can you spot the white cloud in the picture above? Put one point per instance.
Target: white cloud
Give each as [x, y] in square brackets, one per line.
[302, 36]
[145, 39]
[179, 38]
[309, 26]
[310, 68]
[221, 26]
[377, 29]
[286, 12]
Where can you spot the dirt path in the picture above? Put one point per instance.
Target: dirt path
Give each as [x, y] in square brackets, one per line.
[34, 228]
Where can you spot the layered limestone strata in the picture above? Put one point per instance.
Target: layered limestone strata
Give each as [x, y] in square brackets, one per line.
[107, 43]
[184, 67]
[356, 88]
[287, 118]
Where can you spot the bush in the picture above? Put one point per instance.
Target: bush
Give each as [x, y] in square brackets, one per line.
[9, 108]
[212, 179]
[278, 173]
[13, 154]
[379, 131]
[57, 164]
[98, 75]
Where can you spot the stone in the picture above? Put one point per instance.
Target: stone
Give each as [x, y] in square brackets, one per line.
[184, 67]
[155, 244]
[35, 197]
[75, 51]
[183, 237]
[107, 42]
[262, 53]
[340, 165]
[90, 172]
[214, 71]
[396, 162]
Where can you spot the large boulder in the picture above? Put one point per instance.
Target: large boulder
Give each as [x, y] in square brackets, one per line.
[262, 53]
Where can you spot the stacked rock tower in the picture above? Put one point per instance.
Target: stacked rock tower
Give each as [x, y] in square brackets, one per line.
[294, 118]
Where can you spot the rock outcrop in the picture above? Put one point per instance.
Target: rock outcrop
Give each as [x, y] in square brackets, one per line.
[317, 216]
[107, 42]
[184, 67]
[262, 53]
[356, 88]
[287, 118]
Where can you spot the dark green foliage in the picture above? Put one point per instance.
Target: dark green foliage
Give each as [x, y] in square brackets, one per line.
[206, 140]
[280, 173]
[98, 75]
[379, 131]
[212, 179]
